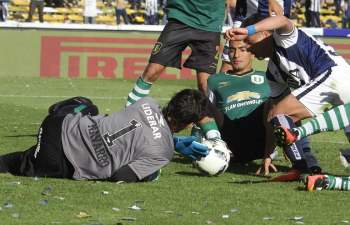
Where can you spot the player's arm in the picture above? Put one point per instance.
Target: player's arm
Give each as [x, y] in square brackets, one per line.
[275, 8]
[279, 23]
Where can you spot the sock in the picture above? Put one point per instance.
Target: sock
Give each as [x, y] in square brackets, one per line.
[140, 90]
[210, 130]
[331, 120]
[294, 151]
[337, 183]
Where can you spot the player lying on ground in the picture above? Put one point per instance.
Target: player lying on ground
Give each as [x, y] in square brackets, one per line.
[241, 95]
[304, 74]
[130, 145]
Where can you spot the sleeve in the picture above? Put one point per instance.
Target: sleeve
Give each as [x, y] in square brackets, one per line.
[225, 56]
[276, 83]
[150, 162]
[286, 40]
[211, 96]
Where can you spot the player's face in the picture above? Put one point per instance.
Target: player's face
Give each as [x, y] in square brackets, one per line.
[241, 59]
[261, 44]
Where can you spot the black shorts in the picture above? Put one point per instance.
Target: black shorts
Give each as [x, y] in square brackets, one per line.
[173, 40]
[46, 158]
[245, 137]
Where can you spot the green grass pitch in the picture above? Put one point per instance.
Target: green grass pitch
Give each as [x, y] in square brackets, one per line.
[181, 196]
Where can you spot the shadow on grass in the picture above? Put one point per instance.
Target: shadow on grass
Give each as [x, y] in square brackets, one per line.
[250, 168]
[191, 174]
[20, 135]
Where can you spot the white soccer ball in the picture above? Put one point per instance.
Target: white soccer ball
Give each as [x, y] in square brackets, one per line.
[218, 159]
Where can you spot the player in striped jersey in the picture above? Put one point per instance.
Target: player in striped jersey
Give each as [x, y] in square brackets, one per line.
[306, 76]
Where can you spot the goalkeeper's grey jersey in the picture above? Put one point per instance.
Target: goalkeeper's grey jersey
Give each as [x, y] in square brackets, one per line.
[138, 136]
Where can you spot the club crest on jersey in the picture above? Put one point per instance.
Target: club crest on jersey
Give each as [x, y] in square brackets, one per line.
[156, 48]
[257, 79]
[243, 95]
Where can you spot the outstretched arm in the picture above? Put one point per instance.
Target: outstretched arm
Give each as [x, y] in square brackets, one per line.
[279, 23]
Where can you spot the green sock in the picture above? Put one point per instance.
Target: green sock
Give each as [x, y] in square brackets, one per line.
[140, 90]
[211, 130]
[334, 119]
[337, 183]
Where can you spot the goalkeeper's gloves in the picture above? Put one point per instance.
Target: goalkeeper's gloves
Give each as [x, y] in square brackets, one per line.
[189, 147]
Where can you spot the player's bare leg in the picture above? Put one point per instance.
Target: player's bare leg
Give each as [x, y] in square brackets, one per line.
[202, 79]
[290, 106]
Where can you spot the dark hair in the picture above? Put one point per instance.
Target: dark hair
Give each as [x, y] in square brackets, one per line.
[187, 106]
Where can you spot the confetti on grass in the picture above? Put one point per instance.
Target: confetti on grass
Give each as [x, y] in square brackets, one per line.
[127, 218]
[8, 205]
[47, 190]
[15, 215]
[135, 207]
[225, 216]
[82, 215]
[267, 218]
[44, 202]
[115, 209]
[296, 218]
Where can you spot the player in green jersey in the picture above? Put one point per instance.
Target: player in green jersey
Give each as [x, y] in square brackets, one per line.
[241, 96]
[191, 23]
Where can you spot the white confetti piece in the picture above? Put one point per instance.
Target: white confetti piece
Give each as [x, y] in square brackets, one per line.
[225, 216]
[134, 207]
[115, 209]
[105, 192]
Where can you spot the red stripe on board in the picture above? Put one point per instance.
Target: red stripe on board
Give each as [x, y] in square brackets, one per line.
[346, 56]
[340, 46]
[112, 50]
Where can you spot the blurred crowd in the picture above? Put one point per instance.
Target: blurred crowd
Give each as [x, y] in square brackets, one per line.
[306, 13]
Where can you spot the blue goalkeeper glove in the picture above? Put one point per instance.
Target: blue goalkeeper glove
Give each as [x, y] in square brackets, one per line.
[188, 147]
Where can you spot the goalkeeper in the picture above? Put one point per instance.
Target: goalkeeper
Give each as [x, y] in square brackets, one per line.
[240, 96]
[130, 145]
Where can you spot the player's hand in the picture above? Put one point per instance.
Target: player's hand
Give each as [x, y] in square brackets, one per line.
[265, 167]
[236, 34]
[188, 147]
[275, 9]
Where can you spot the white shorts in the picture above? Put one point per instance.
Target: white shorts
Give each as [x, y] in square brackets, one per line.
[330, 89]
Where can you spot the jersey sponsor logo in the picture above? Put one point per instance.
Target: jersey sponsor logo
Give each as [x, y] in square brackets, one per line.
[157, 47]
[111, 138]
[98, 145]
[257, 79]
[243, 95]
[243, 104]
[154, 120]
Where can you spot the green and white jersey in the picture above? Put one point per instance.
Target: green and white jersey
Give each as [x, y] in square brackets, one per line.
[238, 95]
[205, 15]
[138, 136]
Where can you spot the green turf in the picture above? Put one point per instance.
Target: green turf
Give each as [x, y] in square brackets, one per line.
[181, 196]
